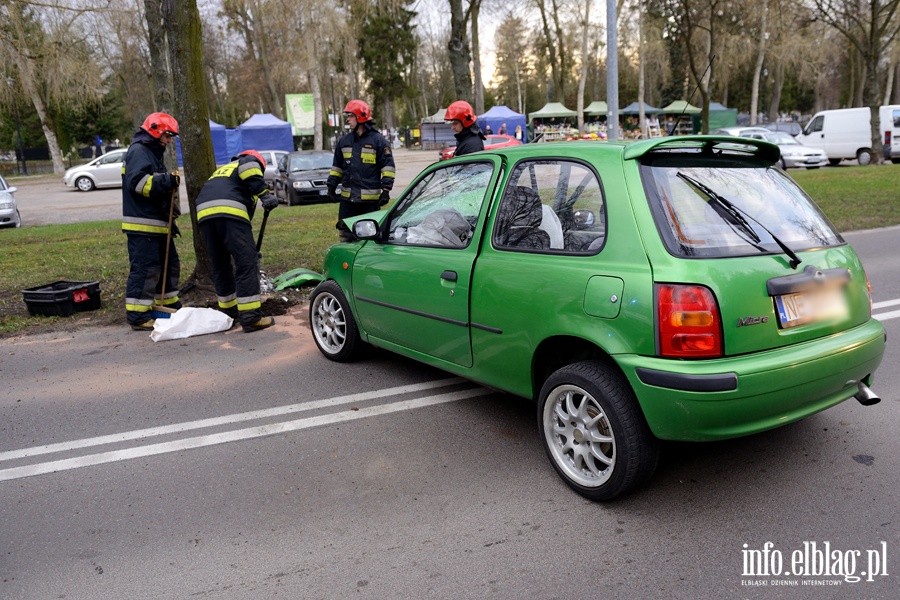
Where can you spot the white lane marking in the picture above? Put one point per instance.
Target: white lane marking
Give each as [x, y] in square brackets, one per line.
[226, 420]
[888, 315]
[885, 304]
[236, 435]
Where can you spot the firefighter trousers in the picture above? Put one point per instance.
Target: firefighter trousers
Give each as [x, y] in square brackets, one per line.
[146, 255]
[237, 286]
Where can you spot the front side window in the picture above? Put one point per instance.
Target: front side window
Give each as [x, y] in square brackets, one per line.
[443, 208]
[554, 206]
[713, 211]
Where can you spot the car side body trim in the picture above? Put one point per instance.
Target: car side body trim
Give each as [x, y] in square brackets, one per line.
[724, 382]
[413, 312]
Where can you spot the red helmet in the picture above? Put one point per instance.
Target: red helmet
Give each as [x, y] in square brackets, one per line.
[159, 123]
[460, 111]
[359, 109]
[254, 154]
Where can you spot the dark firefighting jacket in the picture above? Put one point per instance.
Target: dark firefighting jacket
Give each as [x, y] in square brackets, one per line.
[232, 191]
[146, 187]
[363, 165]
[469, 140]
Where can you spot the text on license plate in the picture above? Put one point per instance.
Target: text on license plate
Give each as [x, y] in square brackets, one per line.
[810, 306]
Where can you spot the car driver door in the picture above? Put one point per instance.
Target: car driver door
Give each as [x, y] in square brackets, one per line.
[411, 287]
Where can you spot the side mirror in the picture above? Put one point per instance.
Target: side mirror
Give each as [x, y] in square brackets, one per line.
[12, 189]
[366, 229]
[584, 218]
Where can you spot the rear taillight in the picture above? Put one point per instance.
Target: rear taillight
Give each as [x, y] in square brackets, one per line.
[688, 320]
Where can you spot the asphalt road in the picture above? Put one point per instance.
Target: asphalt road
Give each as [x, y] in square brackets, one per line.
[45, 200]
[247, 466]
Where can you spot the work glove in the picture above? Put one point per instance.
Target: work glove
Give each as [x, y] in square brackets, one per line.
[384, 198]
[269, 201]
[332, 194]
[176, 179]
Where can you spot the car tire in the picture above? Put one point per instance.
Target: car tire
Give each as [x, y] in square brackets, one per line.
[864, 157]
[333, 326]
[18, 219]
[292, 199]
[84, 184]
[782, 164]
[594, 432]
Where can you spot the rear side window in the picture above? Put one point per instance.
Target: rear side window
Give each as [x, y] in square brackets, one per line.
[707, 211]
[553, 206]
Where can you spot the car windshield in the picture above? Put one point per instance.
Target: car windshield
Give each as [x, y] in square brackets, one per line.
[691, 226]
[309, 162]
[782, 139]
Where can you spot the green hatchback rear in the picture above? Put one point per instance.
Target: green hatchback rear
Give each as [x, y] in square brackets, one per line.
[682, 288]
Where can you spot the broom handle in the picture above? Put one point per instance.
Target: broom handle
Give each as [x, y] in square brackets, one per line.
[162, 299]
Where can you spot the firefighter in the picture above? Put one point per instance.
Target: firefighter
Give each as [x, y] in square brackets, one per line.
[469, 137]
[225, 207]
[363, 166]
[147, 191]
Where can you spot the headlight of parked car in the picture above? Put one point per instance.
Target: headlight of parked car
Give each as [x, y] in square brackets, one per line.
[302, 184]
[6, 204]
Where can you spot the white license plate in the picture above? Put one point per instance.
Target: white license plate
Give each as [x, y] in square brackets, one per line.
[812, 306]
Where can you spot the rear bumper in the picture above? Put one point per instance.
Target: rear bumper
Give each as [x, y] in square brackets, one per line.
[732, 397]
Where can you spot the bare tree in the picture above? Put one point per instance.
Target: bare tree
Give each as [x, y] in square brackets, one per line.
[39, 46]
[458, 48]
[870, 26]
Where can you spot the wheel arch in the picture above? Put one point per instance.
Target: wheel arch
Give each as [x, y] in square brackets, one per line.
[558, 351]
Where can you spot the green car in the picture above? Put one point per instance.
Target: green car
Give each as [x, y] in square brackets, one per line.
[677, 289]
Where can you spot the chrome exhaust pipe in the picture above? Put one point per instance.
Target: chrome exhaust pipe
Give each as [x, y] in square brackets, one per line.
[866, 396]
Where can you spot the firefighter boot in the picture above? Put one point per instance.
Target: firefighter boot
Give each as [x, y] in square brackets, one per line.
[144, 326]
[261, 324]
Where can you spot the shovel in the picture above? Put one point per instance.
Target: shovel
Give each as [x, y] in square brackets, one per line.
[262, 232]
[161, 308]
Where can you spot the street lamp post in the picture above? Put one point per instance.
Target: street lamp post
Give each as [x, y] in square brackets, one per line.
[10, 82]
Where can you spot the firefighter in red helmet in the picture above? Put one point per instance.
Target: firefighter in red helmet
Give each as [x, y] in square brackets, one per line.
[363, 166]
[225, 207]
[147, 191]
[469, 137]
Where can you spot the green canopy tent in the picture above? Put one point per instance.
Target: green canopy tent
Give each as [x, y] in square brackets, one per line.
[678, 107]
[719, 116]
[597, 108]
[681, 111]
[552, 110]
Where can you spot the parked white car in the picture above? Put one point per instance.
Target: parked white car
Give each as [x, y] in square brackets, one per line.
[102, 172]
[9, 212]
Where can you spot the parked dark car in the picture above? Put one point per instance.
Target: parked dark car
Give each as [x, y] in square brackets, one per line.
[788, 127]
[301, 177]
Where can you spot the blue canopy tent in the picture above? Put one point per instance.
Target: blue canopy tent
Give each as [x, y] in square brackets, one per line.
[220, 149]
[266, 132]
[498, 115]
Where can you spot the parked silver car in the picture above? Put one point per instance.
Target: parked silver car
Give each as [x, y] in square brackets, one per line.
[104, 171]
[9, 212]
[793, 153]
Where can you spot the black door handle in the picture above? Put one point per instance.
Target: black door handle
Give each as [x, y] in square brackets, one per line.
[449, 275]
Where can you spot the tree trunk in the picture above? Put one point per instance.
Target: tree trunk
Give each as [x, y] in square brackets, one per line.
[757, 70]
[551, 47]
[458, 47]
[584, 62]
[476, 59]
[777, 86]
[312, 70]
[182, 21]
[160, 71]
[263, 48]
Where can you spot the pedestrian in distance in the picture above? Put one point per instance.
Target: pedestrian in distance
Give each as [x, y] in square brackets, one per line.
[488, 130]
[363, 166]
[502, 129]
[147, 196]
[519, 134]
[225, 208]
[469, 137]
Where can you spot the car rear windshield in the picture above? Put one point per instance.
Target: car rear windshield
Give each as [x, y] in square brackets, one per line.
[310, 162]
[716, 211]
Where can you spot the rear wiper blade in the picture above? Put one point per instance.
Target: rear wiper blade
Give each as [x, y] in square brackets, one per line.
[734, 215]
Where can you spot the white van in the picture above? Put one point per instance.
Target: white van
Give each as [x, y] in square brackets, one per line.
[845, 133]
[890, 131]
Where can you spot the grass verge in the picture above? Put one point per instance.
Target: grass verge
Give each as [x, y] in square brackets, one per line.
[852, 197]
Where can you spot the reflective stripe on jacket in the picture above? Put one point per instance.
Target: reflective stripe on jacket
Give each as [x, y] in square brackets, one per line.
[232, 191]
[363, 165]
